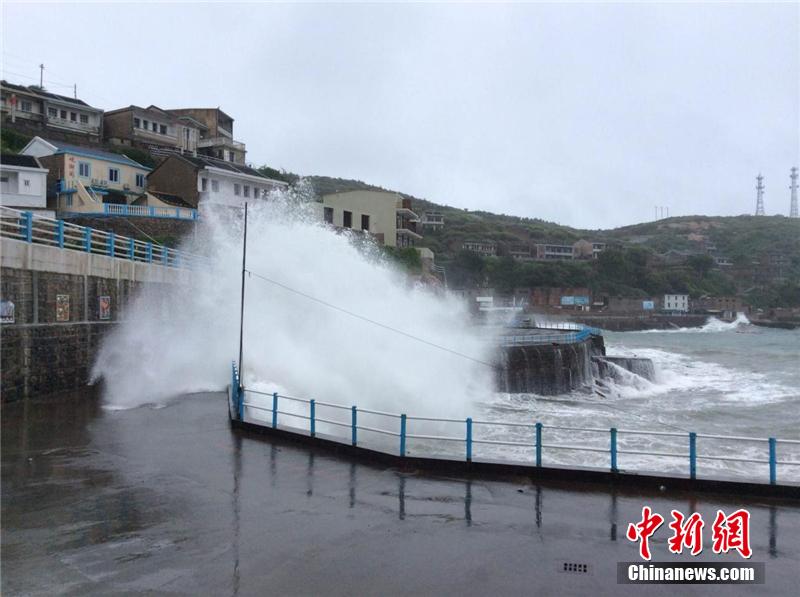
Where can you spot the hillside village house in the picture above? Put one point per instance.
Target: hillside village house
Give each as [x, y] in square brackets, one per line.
[433, 220]
[486, 248]
[36, 109]
[152, 128]
[84, 180]
[216, 138]
[676, 303]
[383, 214]
[203, 182]
[23, 184]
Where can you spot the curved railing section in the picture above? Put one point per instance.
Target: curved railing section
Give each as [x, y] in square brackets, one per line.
[571, 335]
[33, 228]
[531, 442]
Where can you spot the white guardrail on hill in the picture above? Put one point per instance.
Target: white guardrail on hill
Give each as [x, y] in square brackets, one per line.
[29, 227]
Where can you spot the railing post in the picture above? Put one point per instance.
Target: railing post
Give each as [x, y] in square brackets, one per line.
[149, 252]
[131, 249]
[111, 243]
[87, 239]
[312, 417]
[692, 455]
[773, 461]
[60, 233]
[613, 449]
[402, 435]
[274, 410]
[105, 208]
[28, 225]
[354, 424]
[164, 252]
[178, 212]
[538, 444]
[469, 439]
[240, 395]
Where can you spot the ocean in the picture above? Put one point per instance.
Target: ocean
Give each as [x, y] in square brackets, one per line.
[722, 379]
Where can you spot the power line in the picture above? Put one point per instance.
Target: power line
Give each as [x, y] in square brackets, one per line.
[422, 340]
[372, 321]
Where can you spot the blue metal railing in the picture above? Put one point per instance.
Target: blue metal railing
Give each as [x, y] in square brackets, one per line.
[35, 229]
[249, 409]
[579, 335]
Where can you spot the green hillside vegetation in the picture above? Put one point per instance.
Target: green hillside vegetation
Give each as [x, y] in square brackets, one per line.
[633, 264]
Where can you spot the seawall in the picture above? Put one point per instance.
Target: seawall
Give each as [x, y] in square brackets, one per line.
[548, 369]
[58, 306]
[632, 323]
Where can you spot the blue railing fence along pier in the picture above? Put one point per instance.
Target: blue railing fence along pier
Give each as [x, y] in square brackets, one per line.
[759, 460]
[33, 228]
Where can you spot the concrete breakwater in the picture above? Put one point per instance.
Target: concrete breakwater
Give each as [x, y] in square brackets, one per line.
[548, 369]
[560, 368]
[608, 367]
[634, 323]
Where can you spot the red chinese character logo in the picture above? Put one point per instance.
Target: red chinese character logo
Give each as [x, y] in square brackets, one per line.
[686, 534]
[643, 530]
[732, 532]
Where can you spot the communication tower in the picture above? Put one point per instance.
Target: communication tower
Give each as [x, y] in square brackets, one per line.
[759, 195]
[793, 187]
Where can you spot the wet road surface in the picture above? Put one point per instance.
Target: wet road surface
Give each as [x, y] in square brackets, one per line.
[171, 501]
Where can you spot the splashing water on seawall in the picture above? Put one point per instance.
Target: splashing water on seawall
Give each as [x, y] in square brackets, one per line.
[712, 325]
[183, 339]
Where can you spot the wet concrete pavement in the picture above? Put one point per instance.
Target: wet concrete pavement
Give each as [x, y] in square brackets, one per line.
[173, 501]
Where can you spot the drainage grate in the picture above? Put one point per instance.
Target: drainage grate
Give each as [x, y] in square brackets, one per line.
[574, 568]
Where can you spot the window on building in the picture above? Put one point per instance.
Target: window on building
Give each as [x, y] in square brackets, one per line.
[154, 126]
[27, 182]
[236, 188]
[64, 114]
[214, 186]
[347, 219]
[113, 174]
[84, 169]
[73, 117]
[140, 180]
[145, 125]
[137, 123]
[84, 119]
[246, 190]
[52, 112]
[163, 129]
[255, 192]
[25, 106]
[364, 222]
[328, 213]
[204, 184]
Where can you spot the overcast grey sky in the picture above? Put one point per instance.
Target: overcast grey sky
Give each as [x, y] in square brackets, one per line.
[588, 114]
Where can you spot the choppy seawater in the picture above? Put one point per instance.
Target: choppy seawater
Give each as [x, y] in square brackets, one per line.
[725, 379]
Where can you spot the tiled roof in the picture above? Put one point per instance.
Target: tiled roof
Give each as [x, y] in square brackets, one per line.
[170, 199]
[44, 93]
[91, 152]
[208, 162]
[25, 161]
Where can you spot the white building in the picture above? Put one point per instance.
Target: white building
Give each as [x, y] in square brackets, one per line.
[205, 182]
[384, 214]
[676, 303]
[23, 184]
[39, 108]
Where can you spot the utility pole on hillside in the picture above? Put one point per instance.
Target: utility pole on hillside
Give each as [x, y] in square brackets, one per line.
[41, 76]
[793, 187]
[759, 195]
